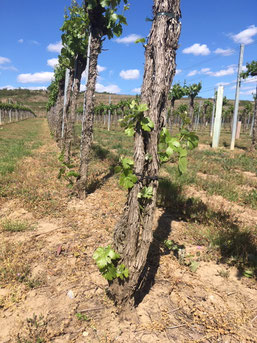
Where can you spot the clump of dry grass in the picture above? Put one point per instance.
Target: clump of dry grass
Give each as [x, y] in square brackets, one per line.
[16, 225]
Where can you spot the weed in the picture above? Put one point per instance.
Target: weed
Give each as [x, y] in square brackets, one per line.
[250, 198]
[224, 273]
[34, 283]
[18, 143]
[15, 265]
[16, 226]
[82, 317]
[35, 330]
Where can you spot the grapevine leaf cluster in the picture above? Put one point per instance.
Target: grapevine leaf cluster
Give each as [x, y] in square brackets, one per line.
[136, 119]
[14, 107]
[179, 145]
[53, 89]
[251, 70]
[106, 260]
[127, 176]
[177, 92]
[192, 90]
[67, 171]
[145, 193]
[74, 41]
[75, 35]
[112, 22]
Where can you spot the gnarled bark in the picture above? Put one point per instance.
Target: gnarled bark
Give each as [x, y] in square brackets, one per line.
[58, 113]
[87, 121]
[191, 111]
[133, 234]
[254, 137]
[70, 108]
[65, 146]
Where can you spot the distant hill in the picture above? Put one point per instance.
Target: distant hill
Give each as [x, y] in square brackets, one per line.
[37, 99]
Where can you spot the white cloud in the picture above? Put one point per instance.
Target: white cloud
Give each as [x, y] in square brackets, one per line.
[30, 88]
[7, 87]
[192, 73]
[101, 88]
[136, 90]
[21, 40]
[41, 77]
[197, 49]
[248, 92]
[35, 88]
[178, 71]
[100, 68]
[223, 72]
[130, 74]
[109, 89]
[35, 42]
[223, 83]
[128, 39]
[8, 68]
[56, 47]
[4, 60]
[52, 62]
[248, 87]
[205, 70]
[224, 52]
[246, 35]
[250, 79]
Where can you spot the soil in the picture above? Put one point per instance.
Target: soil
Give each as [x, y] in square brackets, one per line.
[63, 297]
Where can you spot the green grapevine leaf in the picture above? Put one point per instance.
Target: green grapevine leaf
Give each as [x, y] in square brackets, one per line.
[104, 256]
[130, 131]
[169, 151]
[109, 273]
[146, 193]
[127, 163]
[142, 108]
[140, 40]
[72, 173]
[182, 164]
[122, 271]
[117, 169]
[147, 124]
[127, 180]
[182, 152]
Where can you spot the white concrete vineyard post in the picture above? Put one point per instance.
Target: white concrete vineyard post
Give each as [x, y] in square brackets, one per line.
[212, 117]
[238, 129]
[217, 121]
[67, 76]
[240, 63]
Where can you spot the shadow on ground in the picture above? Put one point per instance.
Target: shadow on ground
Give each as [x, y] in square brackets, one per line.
[236, 246]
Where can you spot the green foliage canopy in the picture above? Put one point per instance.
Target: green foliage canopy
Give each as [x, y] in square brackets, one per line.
[251, 70]
[193, 90]
[104, 17]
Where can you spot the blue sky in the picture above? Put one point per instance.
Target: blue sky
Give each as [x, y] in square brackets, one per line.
[209, 45]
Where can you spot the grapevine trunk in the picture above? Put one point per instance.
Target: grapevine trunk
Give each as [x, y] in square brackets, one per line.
[133, 234]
